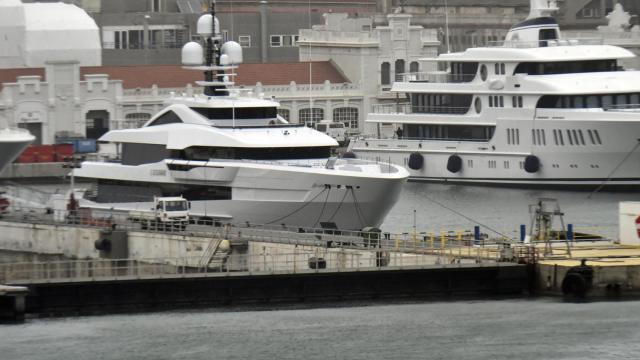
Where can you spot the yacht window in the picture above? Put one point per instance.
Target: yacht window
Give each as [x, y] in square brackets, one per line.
[167, 118]
[578, 102]
[202, 153]
[237, 113]
[478, 105]
[490, 101]
[581, 137]
[514, 102]
[569, 137]
[483, 72]
[575, 137]
[517, 136]
[533, 136]
[520, 101]
[567, 67]
[502, 69]
[497, 69]
[634, 99]
[544, 138]
[501, 98]
[595, 132]
[560, 136]
[593, 142]
[509, 136]
[622, 99]
[607, 101]
[555, 136]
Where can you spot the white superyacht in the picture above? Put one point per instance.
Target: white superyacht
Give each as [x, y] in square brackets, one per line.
[534, 110]
[12, 144]
[236, 160]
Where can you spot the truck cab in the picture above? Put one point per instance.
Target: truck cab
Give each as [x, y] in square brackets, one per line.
[167, 213]
[336, 130]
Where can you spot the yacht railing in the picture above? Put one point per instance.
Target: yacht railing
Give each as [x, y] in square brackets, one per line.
[407, 108]
[517, 44]
[432, 77]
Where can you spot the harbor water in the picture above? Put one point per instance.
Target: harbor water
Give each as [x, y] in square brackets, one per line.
[495, 329]
[539, 328]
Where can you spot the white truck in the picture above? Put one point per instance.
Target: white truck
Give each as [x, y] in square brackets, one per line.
[334, 129]
[167, 213]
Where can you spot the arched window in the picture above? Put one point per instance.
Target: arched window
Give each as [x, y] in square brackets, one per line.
[285, 113]
[310, 116]
[414, 67]
[385, 73]
[346, 115]
[135, 120]
[399, 69]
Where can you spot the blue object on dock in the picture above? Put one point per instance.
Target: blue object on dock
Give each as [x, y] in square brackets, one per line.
[476, 235]
[523, 232]
[570, 232]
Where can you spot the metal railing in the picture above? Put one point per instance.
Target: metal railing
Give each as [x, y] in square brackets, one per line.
[408, 108]
[435, 77]
[234, 264]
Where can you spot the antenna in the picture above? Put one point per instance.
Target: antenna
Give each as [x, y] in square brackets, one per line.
[218, 58]
[446, 25]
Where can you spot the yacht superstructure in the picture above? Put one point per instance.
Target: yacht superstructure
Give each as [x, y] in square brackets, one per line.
[230, 154]
[12, 143]
[533, 110]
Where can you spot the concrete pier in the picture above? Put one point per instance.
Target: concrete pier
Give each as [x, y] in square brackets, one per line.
[12, 303]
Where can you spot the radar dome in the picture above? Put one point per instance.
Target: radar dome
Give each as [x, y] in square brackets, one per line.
[204, 25]
[224, 59]
[192, 54]
[234, 51]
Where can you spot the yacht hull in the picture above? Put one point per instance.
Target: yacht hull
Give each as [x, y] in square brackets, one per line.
[256, 194]
[12, 144]
[611, 160]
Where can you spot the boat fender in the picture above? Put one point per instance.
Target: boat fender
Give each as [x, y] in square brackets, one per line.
[102, 244]
[454, 164]
[531, 164]
[578, 280]
[349, 155]
[317, 263]
[416, 161]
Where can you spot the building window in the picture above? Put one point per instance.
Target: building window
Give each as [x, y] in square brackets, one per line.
[470, 163]
[276, 41]
[135, 120]
[346, 115]
[244, 41]
[310, 116]
[414, 67]
[385, 73]
[284, 113]
[399, 69]
[155, 5]
[284, 40]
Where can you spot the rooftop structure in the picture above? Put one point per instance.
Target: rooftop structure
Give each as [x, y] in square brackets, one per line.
[44, 32]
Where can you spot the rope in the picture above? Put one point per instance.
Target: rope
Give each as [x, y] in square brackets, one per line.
[467, 218]
[339, 206]
[298, 209]
[614, 170]
[358, 210]
[324, 205]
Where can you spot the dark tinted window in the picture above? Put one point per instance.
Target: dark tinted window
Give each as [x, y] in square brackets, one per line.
[167, 118]
[240, 113]
[206, 153]
[566, 67]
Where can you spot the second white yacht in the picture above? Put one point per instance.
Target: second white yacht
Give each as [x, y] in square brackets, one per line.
[237, 161]
[534, 110]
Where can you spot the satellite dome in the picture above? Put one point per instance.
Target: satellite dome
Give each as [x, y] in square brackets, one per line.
[192, 54]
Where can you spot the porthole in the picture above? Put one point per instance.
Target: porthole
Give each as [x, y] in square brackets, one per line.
[478, 105]
[483, 72]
